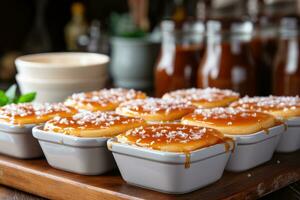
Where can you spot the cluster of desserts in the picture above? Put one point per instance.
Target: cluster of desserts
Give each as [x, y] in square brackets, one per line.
[195, 132]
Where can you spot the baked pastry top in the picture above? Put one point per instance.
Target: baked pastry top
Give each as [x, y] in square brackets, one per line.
[232, 121]
[172, 137]
[93, 124]
[33, 113]
[280, 107]
[155, 109]
[103, 100]
[204, 98]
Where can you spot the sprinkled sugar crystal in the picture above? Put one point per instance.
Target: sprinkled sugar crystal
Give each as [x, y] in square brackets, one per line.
[154, 105]
[193, 94]
[181, 133]
[98, 119]
[38, 109]
[270, 102]
[106, 96]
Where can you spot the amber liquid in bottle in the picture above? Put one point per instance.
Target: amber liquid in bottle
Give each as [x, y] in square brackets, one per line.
[264, 48]
[179, 57]
[177, 69]
[263, 56]
[286, 79]
[227, 64]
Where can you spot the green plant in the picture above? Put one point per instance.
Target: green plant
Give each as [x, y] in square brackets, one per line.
[122, 25]
[10, 96]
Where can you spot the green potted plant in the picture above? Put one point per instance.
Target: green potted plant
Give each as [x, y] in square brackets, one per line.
[134, 52]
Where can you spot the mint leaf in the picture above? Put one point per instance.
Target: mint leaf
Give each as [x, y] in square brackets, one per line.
[29, 97]
[3, 98]
[3, 101]
[11, 93]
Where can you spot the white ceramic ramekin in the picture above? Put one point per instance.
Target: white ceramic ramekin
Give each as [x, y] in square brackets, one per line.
[255, 149]
[87, 156]
[58, 90]
[165, 171]
[63, 65]
[17, 141]
[290, 139]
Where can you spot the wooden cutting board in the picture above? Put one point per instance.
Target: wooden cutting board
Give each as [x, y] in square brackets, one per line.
[37, 177]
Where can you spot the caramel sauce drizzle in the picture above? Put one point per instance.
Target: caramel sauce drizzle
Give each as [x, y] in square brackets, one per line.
[187, 163]
[266, 131]
[282, 122]
[228, 142]
[285, 126]
[227, 146]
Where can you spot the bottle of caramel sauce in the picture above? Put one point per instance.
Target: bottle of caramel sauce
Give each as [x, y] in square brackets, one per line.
[179, 57]
[227, 62]
[286, 76]
[263, 48]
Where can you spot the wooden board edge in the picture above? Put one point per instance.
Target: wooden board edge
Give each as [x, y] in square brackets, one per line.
[34, 182]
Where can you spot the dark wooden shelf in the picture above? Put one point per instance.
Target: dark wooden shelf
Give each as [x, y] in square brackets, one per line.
[37, 177]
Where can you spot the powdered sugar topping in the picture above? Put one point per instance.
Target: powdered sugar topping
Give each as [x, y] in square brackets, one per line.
[196, 94]
[223, 113]
[268, 103]
[105, 96]
[36, 109]
[155, 105]
[86, 119]
[169, 133]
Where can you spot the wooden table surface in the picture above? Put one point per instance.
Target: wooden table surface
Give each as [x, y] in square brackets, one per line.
[37, 177]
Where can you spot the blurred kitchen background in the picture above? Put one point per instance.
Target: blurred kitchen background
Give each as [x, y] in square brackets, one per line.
[250, 46]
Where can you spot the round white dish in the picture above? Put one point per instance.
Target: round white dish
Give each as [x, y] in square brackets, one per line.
[64, 65]
[56, 91]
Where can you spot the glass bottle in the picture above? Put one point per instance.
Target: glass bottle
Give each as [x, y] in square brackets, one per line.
[265, 42]
[286, 76]
[264, 47]
[179, 56]
[227, 62]
[76, 27]
[98, 41]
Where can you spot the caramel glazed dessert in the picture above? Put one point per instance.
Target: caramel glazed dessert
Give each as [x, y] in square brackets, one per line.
[33, 113]
[103, 100]
[155, 109]
[231, 121]
[174, 138]
[204, 98]
[93, 124]
[283, 108]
